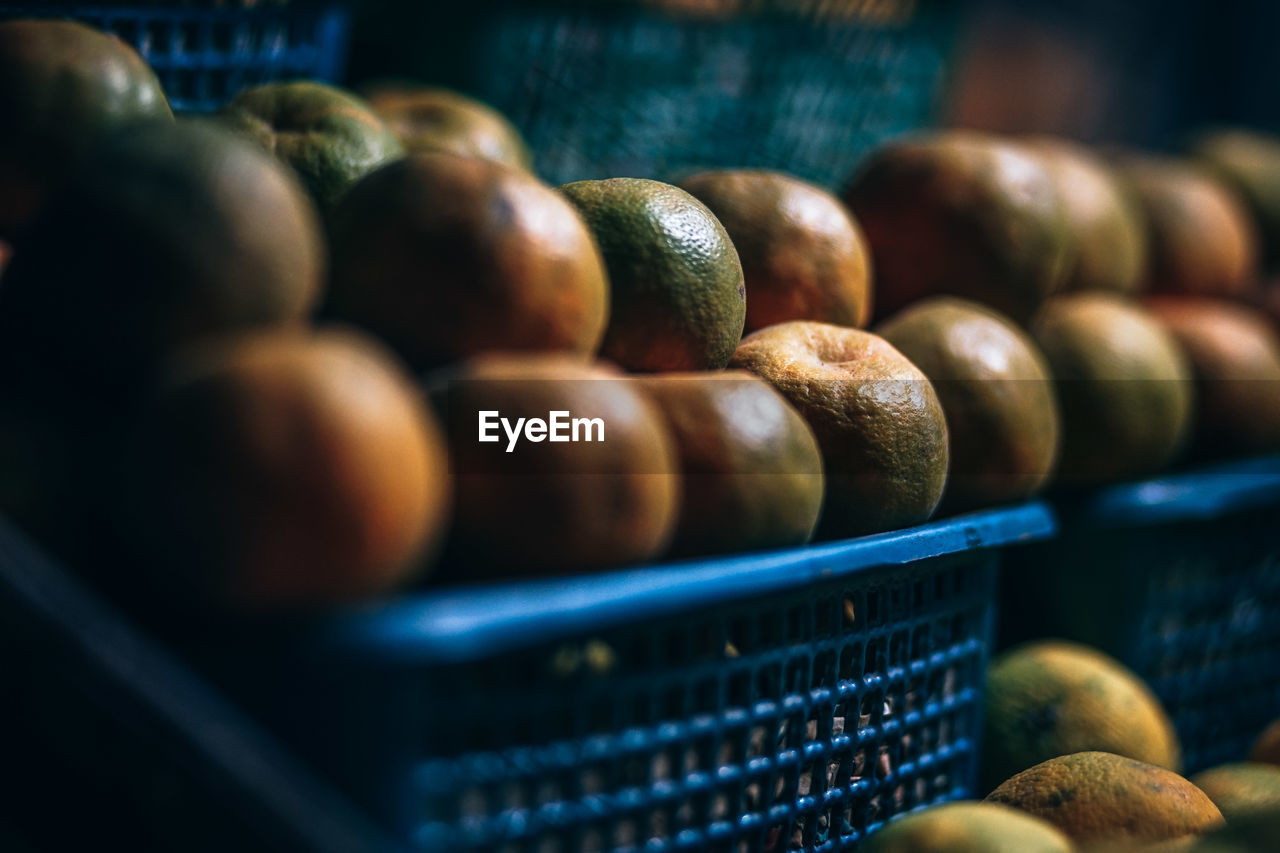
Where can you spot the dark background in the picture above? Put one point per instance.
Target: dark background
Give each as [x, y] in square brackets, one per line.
[1132, 72]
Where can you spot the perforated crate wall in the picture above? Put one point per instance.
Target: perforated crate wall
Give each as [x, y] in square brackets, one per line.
[1179, 579]
[1208, 640]
[204, 51]
[793, 720]
[608, 89]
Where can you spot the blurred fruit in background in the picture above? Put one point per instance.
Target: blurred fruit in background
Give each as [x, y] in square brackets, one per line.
[961, 214]
[62, 85]
[877, 419]
[425, 118]
[1241, 788]
[751, 468]
[1249, 163]
[1200, 236]
[1254, 833]
[677, 299]
[967, 827]
[1016, 73]
[1124, 387]
[329, 136]
[1266, 749]
[283, 470]
[997, 393]
[1051, 698]
[446, 257]
[609, 498]
[1098, 797]
[1105, 224]
[167, 233]
[1234, 354]
[803, 255]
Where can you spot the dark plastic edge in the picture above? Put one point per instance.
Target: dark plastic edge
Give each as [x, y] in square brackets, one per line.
[460, 625]
[141, 683]
[1200, 495]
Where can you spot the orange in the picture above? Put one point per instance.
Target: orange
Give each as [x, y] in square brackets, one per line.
[877, 419]
[447, 257]
[287, 469]
[803, 255]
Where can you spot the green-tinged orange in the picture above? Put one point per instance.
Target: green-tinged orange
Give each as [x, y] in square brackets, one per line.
[678, 301]
[1124, 386]
[62, 85]
[997, 393]
[329, 136]
[1052, 698]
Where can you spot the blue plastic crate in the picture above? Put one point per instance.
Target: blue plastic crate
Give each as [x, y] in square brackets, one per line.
[205, 52]
[789, 700]
[1179, 578]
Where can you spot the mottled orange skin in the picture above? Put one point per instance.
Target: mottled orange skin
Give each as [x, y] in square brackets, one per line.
[1097, 797]
[877, 419]
[555, 508]
[1202, 240]
[962, 214]
[803, 255]
[1049, 698]
[447, 257]
[676, 289]
[430, 119]
[1234, 353]
[288, 470]
[751, 467]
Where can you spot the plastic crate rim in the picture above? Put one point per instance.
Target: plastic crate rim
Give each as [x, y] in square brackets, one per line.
[459, 625]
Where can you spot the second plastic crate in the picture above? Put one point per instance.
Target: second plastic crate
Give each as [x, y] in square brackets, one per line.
[786, 701]
[205, 51]
[1178, 578]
